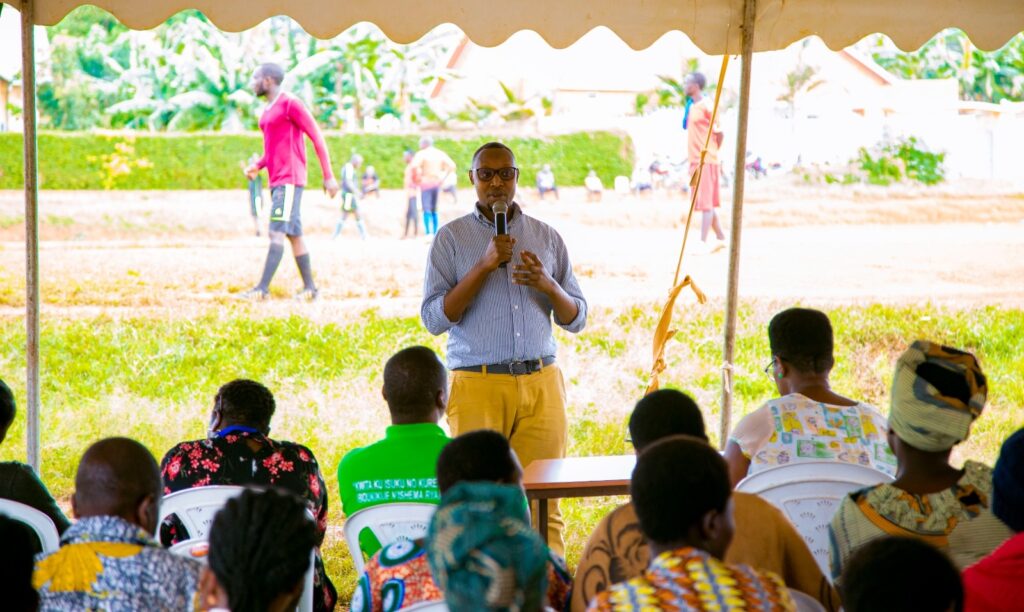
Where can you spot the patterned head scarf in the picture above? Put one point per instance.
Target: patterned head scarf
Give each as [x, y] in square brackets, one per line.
[1008, 483]
[925, 416]
[482, 551]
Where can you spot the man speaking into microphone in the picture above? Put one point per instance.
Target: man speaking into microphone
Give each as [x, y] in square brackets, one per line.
[495, 288]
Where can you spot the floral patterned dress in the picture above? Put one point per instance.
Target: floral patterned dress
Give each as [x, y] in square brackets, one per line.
[242, 458]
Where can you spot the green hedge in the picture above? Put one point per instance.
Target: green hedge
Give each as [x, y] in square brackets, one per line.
[211, 161]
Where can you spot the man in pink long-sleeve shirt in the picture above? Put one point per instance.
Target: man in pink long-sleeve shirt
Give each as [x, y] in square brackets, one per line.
[284, 122]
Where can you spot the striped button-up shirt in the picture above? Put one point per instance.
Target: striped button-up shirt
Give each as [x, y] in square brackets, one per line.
[505, 322]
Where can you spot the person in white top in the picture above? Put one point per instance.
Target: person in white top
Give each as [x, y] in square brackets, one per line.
[809, 421]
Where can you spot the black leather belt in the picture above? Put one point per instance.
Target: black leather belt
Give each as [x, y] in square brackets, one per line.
[516, 368]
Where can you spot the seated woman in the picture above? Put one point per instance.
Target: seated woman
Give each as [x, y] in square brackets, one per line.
[18, 482]
[239, 451]
[480, 532]
[248, 572]
[809, 421]
[937, 393]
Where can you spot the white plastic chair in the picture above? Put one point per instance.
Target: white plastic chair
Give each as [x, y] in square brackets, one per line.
[41, 524]
[196, 509]
[388, 522]
[428, 606]
[809, 493]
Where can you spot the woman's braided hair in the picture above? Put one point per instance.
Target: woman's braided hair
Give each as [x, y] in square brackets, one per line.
[260, 545]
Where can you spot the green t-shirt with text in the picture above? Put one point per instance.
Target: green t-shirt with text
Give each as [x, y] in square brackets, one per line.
[400, 468]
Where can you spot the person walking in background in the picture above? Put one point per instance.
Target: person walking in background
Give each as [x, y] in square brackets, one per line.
[284, 122]
[349, 197]
[431, 167]
[255, 192]
[412, 195]
[697, 123]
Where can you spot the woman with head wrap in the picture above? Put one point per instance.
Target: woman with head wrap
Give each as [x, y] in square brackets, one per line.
[994, 584]
[937, 393]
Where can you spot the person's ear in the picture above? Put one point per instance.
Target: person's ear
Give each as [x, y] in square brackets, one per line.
[383, 393]
[74, 505]
[472, 177]
[146, 513]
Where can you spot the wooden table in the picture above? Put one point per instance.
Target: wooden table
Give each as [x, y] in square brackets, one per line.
[546, 479]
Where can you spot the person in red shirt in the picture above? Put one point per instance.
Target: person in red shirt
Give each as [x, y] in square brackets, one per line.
[697, 123]
[284, 121]
[996, 583]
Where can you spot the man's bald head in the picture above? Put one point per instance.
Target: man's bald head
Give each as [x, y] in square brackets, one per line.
[118, 477]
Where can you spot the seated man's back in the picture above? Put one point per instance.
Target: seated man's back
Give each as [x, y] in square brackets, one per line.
[108, 560]
[403, 466]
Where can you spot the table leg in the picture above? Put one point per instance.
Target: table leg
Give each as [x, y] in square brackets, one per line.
[542, 520]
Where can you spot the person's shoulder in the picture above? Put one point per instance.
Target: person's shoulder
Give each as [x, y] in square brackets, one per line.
[295, 449]
[189, 446]
[357, 456]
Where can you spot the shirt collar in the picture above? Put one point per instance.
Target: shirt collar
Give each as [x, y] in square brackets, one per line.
[106, 529]
[413, 430]
[514, 213]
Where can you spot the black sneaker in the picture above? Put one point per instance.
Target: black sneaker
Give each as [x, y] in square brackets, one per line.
[255, 295]
[308, 295]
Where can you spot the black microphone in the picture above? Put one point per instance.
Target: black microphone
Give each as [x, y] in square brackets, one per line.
[500, 210]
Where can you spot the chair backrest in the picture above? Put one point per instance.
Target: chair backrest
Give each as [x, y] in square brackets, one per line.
[805, 603]
[388, 522]
[427, 606]
[809, 493]
[45, 530]
[196, 509]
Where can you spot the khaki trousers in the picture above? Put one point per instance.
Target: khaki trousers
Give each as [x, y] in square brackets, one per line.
[529, 410]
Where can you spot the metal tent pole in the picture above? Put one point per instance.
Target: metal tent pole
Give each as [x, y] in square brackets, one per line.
[28, 91]
[731, 296]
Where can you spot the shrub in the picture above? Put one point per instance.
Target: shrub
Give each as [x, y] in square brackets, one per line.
[213, 161]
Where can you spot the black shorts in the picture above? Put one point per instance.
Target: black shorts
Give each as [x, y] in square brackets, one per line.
[285, 209]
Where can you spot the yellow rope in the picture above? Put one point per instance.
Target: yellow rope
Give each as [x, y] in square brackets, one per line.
[662, 333]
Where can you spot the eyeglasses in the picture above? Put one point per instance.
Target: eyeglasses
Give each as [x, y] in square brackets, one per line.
[768, 368]
[505, 174]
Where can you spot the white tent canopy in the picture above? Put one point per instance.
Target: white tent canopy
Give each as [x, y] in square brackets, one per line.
[716, 26]
[713, 25]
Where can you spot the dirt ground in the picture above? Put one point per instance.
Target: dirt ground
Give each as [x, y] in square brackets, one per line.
[181, 253]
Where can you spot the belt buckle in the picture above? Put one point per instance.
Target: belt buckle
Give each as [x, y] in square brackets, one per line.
[519, 368]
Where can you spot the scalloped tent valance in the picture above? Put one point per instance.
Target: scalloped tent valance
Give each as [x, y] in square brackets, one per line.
[713, 25]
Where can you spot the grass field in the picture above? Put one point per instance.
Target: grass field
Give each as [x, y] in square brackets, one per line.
[154, 379]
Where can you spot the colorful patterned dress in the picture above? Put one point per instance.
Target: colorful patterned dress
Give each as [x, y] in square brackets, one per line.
[689, 579]
[796, 428]
[243, 458]
[399, 576]
[957, 520]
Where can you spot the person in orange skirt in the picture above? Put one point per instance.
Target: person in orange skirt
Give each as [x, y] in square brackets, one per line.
[697, 122]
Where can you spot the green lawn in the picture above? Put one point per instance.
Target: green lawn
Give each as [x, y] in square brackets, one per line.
[154, 379]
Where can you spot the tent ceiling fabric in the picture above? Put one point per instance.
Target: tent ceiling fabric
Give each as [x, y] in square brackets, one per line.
[713, 25]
